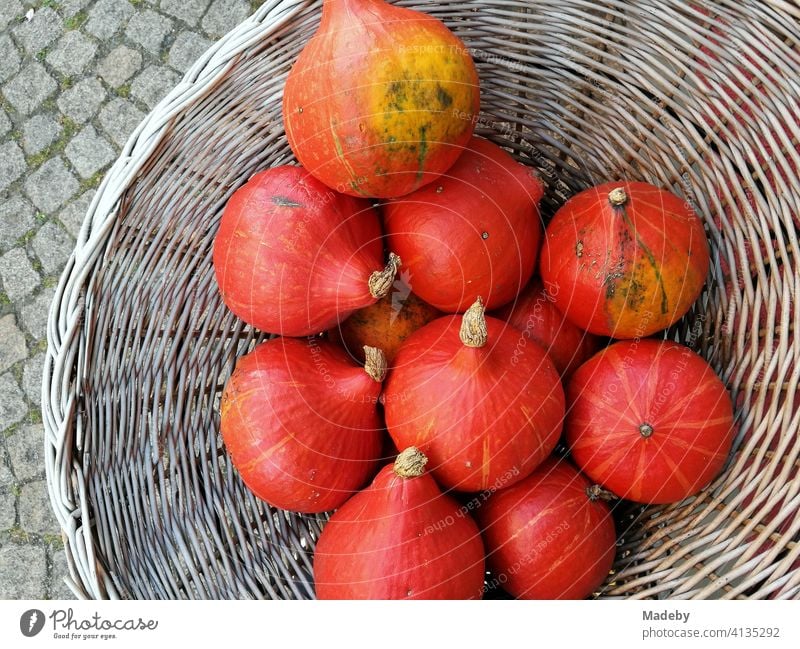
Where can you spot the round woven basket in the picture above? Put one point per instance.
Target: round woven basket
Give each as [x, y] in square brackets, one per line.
[698, 97]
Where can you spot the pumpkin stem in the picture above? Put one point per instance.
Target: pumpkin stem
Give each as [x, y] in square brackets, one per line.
[473, 326]
[380, 282]
[375, 364]
[410, 463]
[596, 492]
[646, 430]
[617, 197]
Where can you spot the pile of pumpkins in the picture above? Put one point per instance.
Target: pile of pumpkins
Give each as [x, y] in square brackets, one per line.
[396, 266]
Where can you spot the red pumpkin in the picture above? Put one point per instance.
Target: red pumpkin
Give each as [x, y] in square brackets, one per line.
[535, 315]
[548, 537]
[295, 258]
[485, 409]
[649, 420]
[300, 422]
[400, 538]
[475, 232]
[381, 101]
[624, 259]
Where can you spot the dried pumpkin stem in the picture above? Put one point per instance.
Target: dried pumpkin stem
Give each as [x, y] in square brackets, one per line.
[617, 197]
[375, 364]
[380, 282]
[410, 463]
[596, 492]
[473, 326]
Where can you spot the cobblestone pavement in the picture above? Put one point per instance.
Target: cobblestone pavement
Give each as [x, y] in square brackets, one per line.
[76, 77]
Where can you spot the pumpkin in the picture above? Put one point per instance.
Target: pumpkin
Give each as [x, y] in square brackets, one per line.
[624, 259]
[400, 538]
[382, 99]
[475, 232]
[295, 258]
[301, 424]
[485, 409]
[649, 420]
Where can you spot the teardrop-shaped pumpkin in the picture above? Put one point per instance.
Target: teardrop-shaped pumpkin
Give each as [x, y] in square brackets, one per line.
[400, 538]
[485, 409]
[381, 100]
[301, 424]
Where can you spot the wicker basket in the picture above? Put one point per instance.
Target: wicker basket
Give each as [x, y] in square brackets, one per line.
[699, 97]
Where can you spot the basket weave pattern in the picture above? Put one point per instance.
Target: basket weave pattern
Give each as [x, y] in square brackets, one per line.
[140, 343]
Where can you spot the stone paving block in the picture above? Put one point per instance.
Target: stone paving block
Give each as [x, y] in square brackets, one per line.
[29, 88]
[189, 11]
[188, 47]
[148, 29]
[107, 17]
[35, 513]
[70, 7]
[8, 506]
[50, 186]
[53, 247]
[17, 274]
[9, 58]
[39, 132]
[12, 163]
[33, 315]
[9, 10]
[13, 348]
[5, 123]
[81, 102]
[89, 152]
[16, 218]
[25, 571]
[120, 65]
[73, 214]
[119, 118]
[72, 53]
[224, 15]
[60, 570]
[32, 379]
[12, 402]
[40, 31]
[153, 84]
[26, 451]
[7, 480]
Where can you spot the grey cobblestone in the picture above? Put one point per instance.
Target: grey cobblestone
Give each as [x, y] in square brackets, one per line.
[73, 214]
[9, 9]
[119, 118]
[7, 480]
[72, 53]
[35, 513]
[32, 379]
[13, 348]
[223, 15]
[24, 571]
[186, 49]
[29, 88]
[37, 33]
[59, 589]
[53, 247]
[12, 164]
[26, 451]
[153, 84]
[80, 103]
[18, 275]
[16, 219]
[5, 123]
[34, 314]
[149, 30]
[89, 152]
[39, 132]
[8, 504]
[12, 402]
[107, 17]
[9, 58]
[189, 11]
[51, 185]
[71, 7]
[120, 65]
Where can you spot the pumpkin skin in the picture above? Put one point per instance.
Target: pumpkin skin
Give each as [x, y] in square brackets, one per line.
[627, 270]
[301, 424]
[475, 232]
[485, 416]
[293, 257]
[535, 315]
[546, 538]
[649, 420]
[379, 111]
[385, 324]
[400, 538]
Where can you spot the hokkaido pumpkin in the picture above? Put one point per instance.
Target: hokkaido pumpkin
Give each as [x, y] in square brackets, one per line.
[301, 424]
[295, 258]
[381, 100]
[624, 259]
[649, 420]
[485, 409]
[476, 231]
[400, 538]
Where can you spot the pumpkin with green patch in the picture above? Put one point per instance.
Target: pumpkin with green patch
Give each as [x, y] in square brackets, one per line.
[624, 259]
[382, 99]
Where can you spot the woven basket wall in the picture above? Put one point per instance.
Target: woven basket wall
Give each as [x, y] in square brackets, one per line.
[702, 98]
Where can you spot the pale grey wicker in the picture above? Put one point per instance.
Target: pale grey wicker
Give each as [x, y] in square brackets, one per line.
[140, 343]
